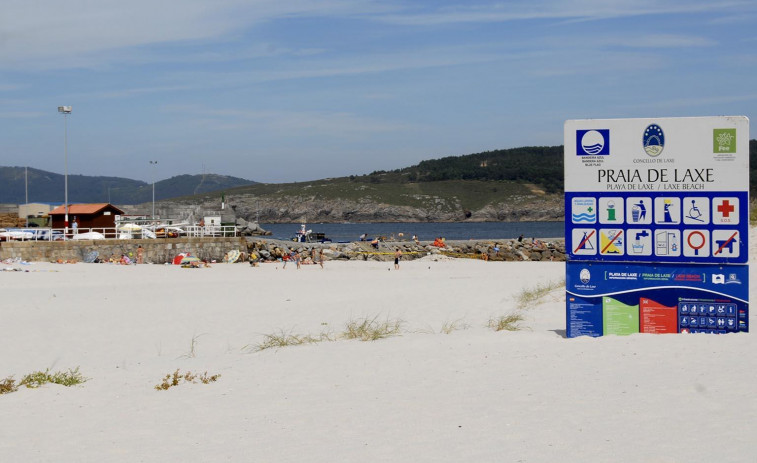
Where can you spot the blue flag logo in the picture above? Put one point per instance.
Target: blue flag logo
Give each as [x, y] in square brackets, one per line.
[595, 142]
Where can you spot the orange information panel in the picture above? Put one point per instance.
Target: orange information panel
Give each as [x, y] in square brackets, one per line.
[657, 318]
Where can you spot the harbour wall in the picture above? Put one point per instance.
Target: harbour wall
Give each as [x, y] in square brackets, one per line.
[156, 251]
[215, 248]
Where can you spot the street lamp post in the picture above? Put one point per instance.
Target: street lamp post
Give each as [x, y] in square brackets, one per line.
[65, 110]
[153, 189]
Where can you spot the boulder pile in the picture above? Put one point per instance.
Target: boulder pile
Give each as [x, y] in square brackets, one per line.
[250, 228]
[493, 250]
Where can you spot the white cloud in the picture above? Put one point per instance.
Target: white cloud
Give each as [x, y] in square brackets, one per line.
[694, 102]
[291, 123]
[663, 41]
[76, 33]
[518, 10]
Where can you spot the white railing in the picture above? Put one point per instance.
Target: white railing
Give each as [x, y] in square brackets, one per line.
[109, 233]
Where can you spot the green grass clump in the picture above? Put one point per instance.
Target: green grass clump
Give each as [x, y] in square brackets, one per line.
[528, 297]
[39, 378]
[8, 385]
[449, 327]
[284, 339]
[192, 353]
[176, 378]
[370, 329]
[506, 322]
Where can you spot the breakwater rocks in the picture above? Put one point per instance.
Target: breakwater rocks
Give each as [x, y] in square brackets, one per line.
[215, 249]
[494, 250]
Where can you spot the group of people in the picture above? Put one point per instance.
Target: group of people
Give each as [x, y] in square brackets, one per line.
[295, 256]
[129, 259]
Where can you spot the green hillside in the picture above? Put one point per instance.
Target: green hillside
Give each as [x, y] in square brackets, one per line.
[388, 188]
[48, 187]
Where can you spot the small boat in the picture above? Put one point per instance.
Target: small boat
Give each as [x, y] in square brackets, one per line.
[168, 232]
[16, 234]
[89, 236]
[309, 236]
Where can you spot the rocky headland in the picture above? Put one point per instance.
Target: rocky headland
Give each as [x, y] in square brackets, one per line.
[299, 209]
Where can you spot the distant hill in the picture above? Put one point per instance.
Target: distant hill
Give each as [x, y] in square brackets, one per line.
[48, 187]
[517, 184]
[539, 165]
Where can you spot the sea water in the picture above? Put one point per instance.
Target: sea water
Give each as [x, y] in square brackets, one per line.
[425, 231]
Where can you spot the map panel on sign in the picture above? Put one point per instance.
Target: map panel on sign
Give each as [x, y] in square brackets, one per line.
[667, 210]
[639, 210]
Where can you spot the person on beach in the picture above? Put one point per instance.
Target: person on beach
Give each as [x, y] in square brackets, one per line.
[297, 259]
[320, 257]
[520, 238]
[286, 257]
[397, 257]
[140, 254]
[364, 237]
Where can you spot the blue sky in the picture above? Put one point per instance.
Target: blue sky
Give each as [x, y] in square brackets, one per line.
[280, 91]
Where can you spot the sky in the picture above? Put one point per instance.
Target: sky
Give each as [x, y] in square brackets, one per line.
[296, 90]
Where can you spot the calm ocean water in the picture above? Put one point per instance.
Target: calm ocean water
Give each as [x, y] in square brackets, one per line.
[425, 231]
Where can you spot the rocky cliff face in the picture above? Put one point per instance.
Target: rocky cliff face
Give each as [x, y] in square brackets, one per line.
[310, 209]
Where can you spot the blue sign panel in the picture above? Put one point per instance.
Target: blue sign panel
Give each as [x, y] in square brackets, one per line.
[657, 227]
[604, 298]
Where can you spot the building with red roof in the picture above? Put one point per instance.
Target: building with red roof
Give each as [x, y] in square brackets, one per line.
[95, 216]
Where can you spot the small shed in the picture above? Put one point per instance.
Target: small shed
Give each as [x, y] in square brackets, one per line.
[87, 216]
[30, 210]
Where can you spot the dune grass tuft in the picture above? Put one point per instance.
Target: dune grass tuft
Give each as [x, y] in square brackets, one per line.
[528, 297]
[39, 378]
[371, 329]
[176, 378]
[8, 385]
[284, 339]
[449, 327]
[192, 353]
[506, 322]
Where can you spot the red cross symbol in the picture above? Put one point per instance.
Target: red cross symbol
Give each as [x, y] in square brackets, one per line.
[725, 208]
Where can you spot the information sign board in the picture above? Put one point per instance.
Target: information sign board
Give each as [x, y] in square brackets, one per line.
[608, 298]
[657, 190]
[657, 225]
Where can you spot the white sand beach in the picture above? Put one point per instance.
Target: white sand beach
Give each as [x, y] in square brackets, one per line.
[472, 395]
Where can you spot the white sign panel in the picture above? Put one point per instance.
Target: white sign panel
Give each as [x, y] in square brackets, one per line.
[667, 154]
[658, 190]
